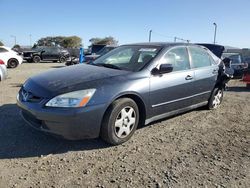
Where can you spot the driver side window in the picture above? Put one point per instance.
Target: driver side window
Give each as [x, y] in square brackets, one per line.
[178, 58]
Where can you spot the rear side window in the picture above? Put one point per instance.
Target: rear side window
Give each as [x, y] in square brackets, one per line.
[3, 50]
[178, 58]
[200, 58]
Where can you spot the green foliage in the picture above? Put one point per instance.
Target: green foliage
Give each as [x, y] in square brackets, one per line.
[1, 44]
[107, 41]
[66, 42]
[71, 42]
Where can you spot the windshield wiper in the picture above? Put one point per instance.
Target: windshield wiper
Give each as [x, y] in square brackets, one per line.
[108, 66]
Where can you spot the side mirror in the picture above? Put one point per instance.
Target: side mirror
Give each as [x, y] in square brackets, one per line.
[164, 68]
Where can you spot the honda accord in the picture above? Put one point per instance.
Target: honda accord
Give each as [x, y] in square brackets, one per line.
[131, 85]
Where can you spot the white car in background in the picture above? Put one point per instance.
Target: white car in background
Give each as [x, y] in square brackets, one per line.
[10, 57]
[3, 70]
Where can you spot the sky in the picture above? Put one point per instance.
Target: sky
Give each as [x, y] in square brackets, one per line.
[128, 21]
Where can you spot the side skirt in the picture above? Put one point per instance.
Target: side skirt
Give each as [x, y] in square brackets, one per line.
[168, 114]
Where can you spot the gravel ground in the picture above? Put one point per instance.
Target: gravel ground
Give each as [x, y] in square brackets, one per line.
[200, 148]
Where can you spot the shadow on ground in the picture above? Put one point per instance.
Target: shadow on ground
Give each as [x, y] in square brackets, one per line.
[239, 89]
[17, 140]
[59, 66]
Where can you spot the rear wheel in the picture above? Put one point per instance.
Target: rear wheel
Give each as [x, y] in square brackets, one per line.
[36, 59]
[120, 121]
[62, 59]
[216, 98]
[12, 63]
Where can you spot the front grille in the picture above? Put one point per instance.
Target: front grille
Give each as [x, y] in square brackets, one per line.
[27, 96]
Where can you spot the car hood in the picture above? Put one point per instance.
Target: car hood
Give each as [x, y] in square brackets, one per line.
[67, 79]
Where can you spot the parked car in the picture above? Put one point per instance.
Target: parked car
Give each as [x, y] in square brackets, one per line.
[11, 58]
[237, 63]
[94, 48]
[130, 85]
[3, 70]
[104, 50]
[46, 54]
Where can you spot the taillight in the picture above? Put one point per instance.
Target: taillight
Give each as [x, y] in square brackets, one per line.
[1, 62]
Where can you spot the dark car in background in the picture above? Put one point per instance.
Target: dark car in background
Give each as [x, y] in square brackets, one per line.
[45, 53]
[104, 50]
[237, 63]
[130, 85]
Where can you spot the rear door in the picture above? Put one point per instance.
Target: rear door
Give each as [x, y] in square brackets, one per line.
[174, 90]
[206, 73]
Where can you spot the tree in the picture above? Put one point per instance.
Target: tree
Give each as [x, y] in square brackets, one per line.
[1, 44]
[66, 42]
[107, 41]
[71, 42]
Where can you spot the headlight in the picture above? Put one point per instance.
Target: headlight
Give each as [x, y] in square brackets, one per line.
[73, 99]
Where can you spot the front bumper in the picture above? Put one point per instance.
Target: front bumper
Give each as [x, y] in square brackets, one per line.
[72, 124]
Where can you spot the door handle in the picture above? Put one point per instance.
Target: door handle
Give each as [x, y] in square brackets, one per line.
[215, 71]
[188, 77]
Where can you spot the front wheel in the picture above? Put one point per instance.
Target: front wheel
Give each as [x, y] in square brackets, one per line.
[120, 121]
[216, 98]
[36, 59]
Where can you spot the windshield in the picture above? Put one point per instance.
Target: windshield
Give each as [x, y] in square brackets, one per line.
[131, 58]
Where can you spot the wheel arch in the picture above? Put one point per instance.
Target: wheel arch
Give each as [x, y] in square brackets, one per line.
[139, 102]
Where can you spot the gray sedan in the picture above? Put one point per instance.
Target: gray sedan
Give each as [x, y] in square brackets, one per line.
[131, 85]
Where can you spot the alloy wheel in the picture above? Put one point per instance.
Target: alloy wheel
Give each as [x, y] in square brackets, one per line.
[125, 122]
[217, 99]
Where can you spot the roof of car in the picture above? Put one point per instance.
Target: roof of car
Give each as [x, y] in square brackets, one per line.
[161, 44]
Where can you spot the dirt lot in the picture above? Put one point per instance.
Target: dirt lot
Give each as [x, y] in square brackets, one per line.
[200, 148]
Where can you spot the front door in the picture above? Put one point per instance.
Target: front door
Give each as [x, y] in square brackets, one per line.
[172, 91]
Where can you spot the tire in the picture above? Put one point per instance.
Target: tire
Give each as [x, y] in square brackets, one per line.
[120, 121]
[36, 59]
[62, 59]
[12, 63]
[215, 98]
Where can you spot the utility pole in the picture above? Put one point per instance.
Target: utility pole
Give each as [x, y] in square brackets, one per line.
[150, 34]
[13, 36]
[215, 30]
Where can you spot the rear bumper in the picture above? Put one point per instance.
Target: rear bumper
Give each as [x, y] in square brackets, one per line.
[72, 124]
